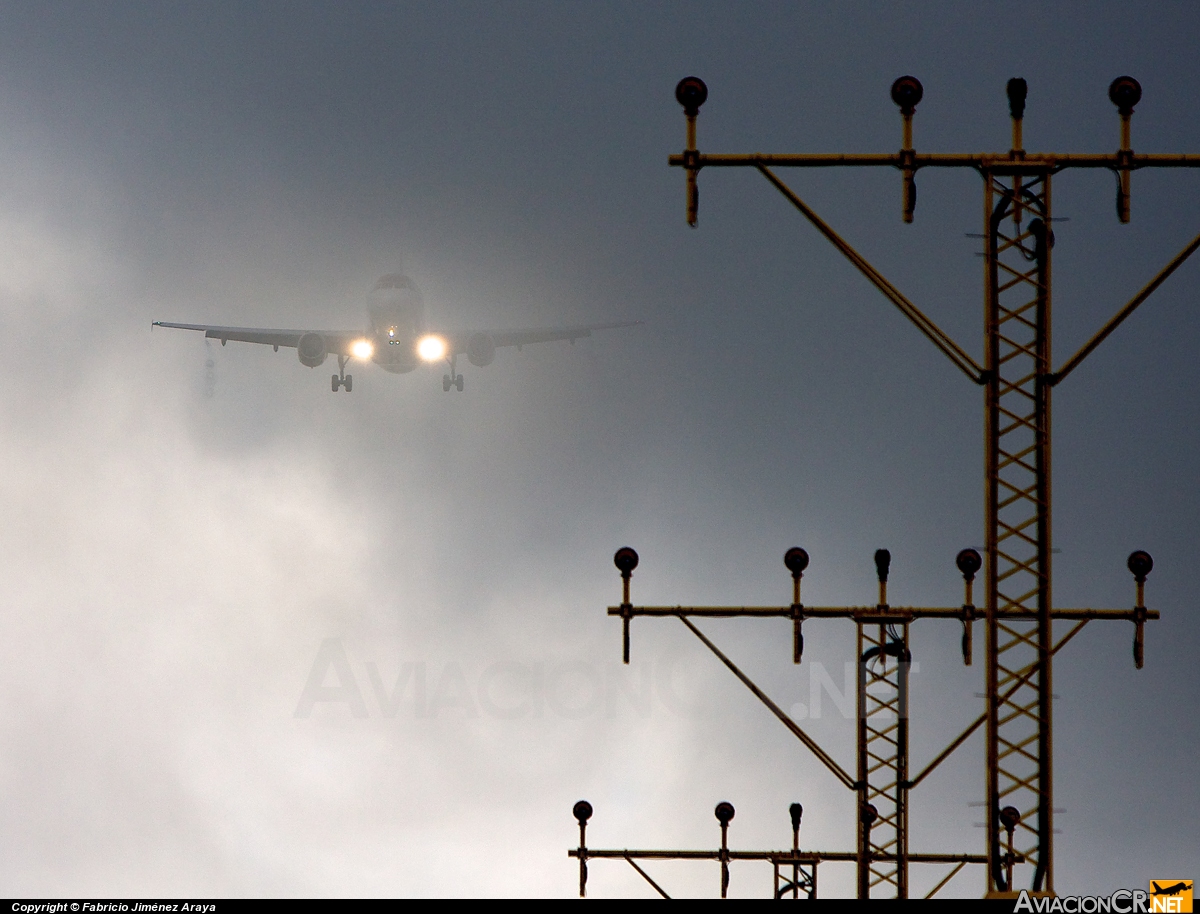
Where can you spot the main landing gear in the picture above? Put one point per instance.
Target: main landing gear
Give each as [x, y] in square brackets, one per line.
[453, 379]
[341, 379]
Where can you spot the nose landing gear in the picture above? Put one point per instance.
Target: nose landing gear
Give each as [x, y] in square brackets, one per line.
[453, 379]
[341, 379]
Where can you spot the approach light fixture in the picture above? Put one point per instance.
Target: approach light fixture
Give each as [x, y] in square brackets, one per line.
[1125, 92]
[691, 92]
[907, 92]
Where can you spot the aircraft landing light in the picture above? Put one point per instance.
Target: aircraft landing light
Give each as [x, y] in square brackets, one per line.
[362, 349]
[431, 348]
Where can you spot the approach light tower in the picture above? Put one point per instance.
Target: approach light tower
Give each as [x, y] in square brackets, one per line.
[1017, 377]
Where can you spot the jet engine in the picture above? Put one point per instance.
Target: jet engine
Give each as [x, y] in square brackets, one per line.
[311, 349]
[481, 349]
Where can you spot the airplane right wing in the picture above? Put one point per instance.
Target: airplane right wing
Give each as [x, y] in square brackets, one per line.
[535, 334]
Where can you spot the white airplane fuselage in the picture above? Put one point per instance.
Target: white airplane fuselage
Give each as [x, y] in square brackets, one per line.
[397, 322]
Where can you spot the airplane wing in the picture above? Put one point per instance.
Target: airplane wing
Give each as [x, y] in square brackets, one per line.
[337, 342]
[519, 338]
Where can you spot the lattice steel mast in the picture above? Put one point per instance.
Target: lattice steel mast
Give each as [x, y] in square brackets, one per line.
[1017, 378]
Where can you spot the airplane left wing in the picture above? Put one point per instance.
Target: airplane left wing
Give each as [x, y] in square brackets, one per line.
[337, 342]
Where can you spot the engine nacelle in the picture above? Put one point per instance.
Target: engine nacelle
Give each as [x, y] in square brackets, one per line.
[312, 349]
[481, 349]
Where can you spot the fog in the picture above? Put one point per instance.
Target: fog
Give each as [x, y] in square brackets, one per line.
[263, 640]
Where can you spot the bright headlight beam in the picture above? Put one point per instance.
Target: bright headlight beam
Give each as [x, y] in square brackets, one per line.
[362, 349]
[431, 348]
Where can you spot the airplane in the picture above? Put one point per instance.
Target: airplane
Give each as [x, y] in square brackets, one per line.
[397, 339]
[1176, 889]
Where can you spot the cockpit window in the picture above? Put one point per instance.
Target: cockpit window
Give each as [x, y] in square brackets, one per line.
[394, 281]
[396, 308]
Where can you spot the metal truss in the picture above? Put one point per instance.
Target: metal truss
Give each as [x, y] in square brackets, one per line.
[1019, 626]
[1017, 378]
[884, 661]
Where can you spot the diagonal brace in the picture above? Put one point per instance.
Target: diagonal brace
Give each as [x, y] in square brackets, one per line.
[932, 331]
[816, 750]
[658, 888]
[1120, 316]
[979, 721]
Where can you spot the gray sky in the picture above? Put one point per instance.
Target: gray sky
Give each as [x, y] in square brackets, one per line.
[183, 539]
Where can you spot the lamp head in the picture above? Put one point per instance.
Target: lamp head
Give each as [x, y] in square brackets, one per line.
[968, 562]
[907, 93]
[691, 93]
[1140, 564]
[1010, 816]
[582, 811]
[796, 560]
[1017, 89]
[883, 560]
[724, 812]
[1125, 92]
[626, 560]
[867, 814]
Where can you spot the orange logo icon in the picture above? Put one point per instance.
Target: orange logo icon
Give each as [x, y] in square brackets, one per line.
[1171, 895]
